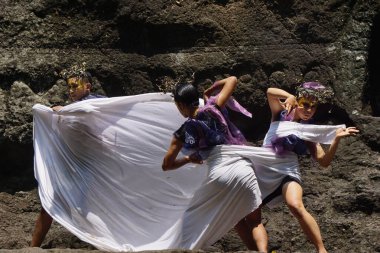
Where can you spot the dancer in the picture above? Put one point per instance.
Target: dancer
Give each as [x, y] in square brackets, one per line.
[230, 191]
[79, 84]
[287, 183]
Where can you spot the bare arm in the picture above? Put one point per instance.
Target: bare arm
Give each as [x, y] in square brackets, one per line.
[226, 85]
[171, 162]
[276, 106]
[325, 158]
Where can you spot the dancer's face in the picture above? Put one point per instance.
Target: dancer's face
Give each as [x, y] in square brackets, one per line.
[77, 88]
[306, 107]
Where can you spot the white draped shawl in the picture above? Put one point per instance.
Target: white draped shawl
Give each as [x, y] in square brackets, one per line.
[98, 166]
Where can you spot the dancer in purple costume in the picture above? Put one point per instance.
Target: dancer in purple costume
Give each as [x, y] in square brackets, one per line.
[228, 187]
[300, 109]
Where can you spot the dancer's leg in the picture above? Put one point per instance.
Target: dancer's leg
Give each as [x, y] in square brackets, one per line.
[252, 232]
[41, 228]
[244, 232]
[292, 192]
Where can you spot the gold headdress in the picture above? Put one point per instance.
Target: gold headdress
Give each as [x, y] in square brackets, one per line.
[77, 70]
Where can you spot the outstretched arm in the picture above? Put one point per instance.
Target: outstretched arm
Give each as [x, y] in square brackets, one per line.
[226, 85]
[325, 158]
[171, 162]
[274, 96]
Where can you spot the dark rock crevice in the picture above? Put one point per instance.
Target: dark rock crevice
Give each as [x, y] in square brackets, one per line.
[371, 94]
[99, 9]
[150, 39]
[16, 173]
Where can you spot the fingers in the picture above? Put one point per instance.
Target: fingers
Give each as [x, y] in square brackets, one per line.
[289, 108]
[289, 104]
[352, 130]
[349, 131]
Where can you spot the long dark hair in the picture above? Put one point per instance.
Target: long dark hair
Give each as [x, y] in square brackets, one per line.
[186, 94]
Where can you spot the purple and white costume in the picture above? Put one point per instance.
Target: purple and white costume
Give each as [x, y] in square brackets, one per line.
[230, 190]
[287, 140]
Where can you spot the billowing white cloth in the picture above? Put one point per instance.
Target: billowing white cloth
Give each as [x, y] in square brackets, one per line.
[98, 165]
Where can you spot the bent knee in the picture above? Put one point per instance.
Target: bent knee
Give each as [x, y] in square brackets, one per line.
[296, 207]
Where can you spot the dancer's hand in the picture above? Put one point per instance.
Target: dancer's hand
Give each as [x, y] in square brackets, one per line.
[343, 132]
[289, 104]
[210, 90]
[196, 158]
[206, 94]
[57, 108]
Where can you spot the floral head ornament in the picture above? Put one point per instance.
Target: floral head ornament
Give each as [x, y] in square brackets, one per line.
[315, 90]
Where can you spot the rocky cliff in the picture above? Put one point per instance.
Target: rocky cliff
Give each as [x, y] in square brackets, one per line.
[133, 47]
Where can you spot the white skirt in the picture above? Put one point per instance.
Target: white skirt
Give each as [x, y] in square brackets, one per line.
[228, 194]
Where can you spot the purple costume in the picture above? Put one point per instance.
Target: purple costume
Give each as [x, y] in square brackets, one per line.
[290, 142]
[211, 127]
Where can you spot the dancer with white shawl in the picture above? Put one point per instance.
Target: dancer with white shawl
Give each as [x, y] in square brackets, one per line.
[286, 183]
[79, 84]
[230, 191]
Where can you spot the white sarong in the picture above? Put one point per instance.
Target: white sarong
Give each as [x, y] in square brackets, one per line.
[98, 166]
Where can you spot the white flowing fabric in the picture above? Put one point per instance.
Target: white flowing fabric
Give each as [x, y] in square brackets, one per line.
[98, 165]
[271, 178]
[314, 133]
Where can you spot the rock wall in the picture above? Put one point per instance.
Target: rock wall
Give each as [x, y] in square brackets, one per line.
[132, 47]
